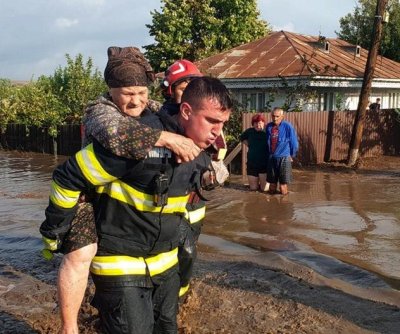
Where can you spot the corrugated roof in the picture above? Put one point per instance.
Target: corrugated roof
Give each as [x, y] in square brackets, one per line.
[286, 54]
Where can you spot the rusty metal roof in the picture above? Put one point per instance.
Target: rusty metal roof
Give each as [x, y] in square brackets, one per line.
[286, 54]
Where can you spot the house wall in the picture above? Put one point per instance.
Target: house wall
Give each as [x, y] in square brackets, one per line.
[390, 99]
[325, 99]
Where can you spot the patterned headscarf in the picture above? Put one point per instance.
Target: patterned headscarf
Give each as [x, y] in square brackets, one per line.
[127, 67]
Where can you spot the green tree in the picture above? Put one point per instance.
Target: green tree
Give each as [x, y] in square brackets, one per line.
[356, 27]
[75, 85]
[52, 100]
[194, 29]
[7, 101]
[239, 23]
[233, 128]
[37, 105]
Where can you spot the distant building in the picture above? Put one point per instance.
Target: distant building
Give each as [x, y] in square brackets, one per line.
[309, 73]
[19, 82]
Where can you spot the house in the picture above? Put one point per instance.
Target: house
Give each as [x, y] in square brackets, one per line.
[301, 72]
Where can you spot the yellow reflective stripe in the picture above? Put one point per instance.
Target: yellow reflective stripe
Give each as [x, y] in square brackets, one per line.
[142, 201]
[91, 167]
[183, 290]
[63, 197]
[161, 262]
[196, 215]
[127, 265]
[118, 265]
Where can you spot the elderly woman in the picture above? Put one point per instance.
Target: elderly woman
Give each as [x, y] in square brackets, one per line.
[255, 139]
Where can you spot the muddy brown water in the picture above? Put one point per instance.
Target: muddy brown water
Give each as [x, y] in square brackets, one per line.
[344, 226]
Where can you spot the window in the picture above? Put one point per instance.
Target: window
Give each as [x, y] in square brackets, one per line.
[261, 102]
[256, 100]
[328, 101]
[244, 100]
[253, 101]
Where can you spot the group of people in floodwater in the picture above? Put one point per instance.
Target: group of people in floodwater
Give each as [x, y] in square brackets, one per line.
[271, 149]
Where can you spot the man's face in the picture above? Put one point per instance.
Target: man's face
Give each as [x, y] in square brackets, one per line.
[177, 90]
[131, 100]
[277, 117]
[205, 124]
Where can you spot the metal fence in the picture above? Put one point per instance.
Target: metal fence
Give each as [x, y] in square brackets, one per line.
[325, 136]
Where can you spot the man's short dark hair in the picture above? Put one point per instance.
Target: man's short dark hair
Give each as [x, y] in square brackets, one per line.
[206, 87]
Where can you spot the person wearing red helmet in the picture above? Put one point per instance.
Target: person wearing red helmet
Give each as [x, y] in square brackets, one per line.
[176, 78]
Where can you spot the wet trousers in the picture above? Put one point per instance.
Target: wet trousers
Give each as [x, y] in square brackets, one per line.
[279, 170]
[126, 308]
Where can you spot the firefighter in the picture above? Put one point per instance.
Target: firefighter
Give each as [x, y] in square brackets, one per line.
[112, 122]
[176, 78]
[152, 261]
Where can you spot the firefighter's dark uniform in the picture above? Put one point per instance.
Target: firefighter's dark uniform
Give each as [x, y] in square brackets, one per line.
[189, 231]
[140, 207]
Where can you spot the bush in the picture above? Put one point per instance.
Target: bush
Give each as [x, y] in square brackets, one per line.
[52, 100]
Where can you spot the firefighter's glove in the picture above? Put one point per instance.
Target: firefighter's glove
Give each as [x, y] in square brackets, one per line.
[50, 247]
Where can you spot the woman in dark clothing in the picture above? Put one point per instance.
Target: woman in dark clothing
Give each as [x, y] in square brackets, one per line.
[255, 139]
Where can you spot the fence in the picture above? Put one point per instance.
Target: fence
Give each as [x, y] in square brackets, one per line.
[323, 136]
[35, 139]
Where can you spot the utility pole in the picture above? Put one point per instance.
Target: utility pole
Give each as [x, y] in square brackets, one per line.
[358, 126]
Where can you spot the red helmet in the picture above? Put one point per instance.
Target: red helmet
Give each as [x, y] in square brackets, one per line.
[177, 72]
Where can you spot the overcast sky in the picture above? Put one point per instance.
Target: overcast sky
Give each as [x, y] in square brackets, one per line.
[36, 35]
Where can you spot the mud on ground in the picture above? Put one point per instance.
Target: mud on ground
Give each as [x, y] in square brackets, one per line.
[228, 295]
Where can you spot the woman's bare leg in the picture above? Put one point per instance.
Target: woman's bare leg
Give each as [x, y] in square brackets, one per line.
[253, 182]
[71, 285]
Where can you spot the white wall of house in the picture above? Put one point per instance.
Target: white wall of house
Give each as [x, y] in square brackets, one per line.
[389, 99]
[326, 99]
[260, 100]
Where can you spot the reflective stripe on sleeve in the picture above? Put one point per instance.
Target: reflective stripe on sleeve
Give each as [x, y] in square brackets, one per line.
[62, 197]
[91, 167]
[127, 265]
[196, 215]
[142, 201]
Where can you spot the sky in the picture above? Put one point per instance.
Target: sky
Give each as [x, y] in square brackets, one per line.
[36, 35]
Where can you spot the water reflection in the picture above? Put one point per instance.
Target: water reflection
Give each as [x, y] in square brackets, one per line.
[348, 216]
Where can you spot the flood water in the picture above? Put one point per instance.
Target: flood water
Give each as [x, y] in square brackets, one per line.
[341, 225]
